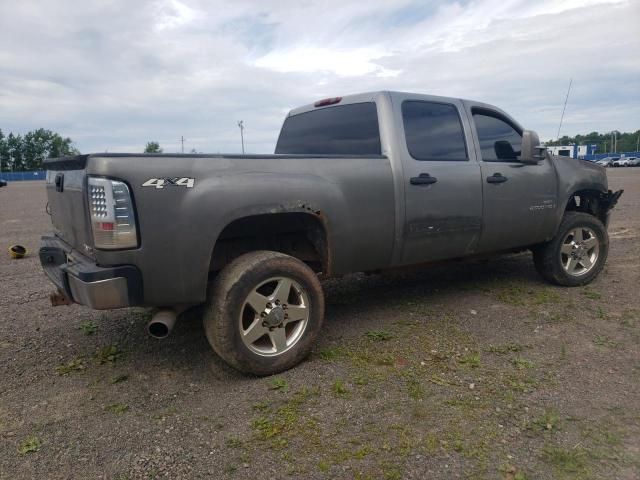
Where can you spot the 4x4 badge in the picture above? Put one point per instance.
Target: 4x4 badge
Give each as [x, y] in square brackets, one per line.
[170, 182]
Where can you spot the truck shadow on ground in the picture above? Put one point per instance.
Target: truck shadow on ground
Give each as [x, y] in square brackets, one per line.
[355, 304]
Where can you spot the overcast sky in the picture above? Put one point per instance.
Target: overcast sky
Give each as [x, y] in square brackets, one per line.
[113, 75]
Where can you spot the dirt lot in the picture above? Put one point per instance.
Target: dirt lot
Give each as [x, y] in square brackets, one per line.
[473, 370]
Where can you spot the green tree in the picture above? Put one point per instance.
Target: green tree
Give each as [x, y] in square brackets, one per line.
[29, 152]
[625, 142]
[152, 147]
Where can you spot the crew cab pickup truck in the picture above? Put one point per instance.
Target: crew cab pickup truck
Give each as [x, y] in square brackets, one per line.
[358, 183]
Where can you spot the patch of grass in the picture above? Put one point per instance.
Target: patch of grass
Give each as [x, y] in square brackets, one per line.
[522, 363]
[509, 472]
[119, 379]
[415, 389]
[505, 349]
[604, 341]
[29, 445]
[331, 354]
[108, 354]
[587, 292]
[549, 421]
[279, 383]
[522, 385]
[233, 442]
[339, 388]
[391, 472]
[471, 360]
[519, 296]
[438, 380]
[512, 294]
[324, 466]
[117, 408]
[379, 335]
[260, 406]
[75, 365]
[362, 452]
[88, 327]
[279, 424]
[360, 380]
[566, 461]
[545, 296]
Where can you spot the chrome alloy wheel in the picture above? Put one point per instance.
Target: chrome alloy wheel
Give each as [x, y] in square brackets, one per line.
[579, 251]
[274, 316]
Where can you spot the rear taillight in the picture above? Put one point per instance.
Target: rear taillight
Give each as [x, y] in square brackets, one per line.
[113, 220]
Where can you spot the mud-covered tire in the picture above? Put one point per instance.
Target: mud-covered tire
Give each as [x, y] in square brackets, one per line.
[230, 301]
[551, 262]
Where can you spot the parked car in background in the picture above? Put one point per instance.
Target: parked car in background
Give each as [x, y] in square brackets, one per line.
[634, 162]
[3, 183]
[621, 162]
[606, 162]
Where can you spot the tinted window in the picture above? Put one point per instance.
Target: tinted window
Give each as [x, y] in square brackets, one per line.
[342, 130]
[433, 131]
[499, 141]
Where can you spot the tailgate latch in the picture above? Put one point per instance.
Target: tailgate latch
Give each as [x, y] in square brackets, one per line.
[59, 181]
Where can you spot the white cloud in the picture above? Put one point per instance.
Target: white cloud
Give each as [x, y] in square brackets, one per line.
[117, 74]
[348, 63]
[173, 14]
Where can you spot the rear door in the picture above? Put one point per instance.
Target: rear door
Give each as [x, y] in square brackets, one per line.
[443, 190]
[519, 201]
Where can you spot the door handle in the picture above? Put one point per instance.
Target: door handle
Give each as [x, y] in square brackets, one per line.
[497, 178]
[423, 179]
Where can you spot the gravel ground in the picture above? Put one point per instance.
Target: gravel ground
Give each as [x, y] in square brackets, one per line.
[476, 369]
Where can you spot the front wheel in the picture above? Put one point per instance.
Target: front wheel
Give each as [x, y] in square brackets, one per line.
[576, 255]
[264, 312]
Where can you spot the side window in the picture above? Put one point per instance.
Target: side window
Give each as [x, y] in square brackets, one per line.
[433, 131]
[499, 141]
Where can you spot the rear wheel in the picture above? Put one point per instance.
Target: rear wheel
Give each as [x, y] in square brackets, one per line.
[576, 255]
[264, 312]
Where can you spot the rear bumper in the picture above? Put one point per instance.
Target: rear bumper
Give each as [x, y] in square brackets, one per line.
[86, 283]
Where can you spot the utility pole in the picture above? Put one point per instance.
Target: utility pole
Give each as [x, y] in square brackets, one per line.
[638, 144]
[241, 126]
[182, 142]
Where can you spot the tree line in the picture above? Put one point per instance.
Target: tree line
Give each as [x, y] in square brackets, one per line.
[28, 151]
[625, 142]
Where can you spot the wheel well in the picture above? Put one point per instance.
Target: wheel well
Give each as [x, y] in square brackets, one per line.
[588, 201]
[300, 235]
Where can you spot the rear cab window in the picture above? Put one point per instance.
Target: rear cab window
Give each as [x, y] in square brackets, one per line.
[350, 129]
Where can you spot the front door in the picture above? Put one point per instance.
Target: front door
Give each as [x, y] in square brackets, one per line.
[443, 189]
[519, 201]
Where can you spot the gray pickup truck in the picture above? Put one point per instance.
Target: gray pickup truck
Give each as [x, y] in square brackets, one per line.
[358, 183]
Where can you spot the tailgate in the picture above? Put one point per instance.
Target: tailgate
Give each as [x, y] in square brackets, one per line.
[67, 201]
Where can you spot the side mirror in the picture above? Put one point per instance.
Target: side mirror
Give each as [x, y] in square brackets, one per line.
[532, 151]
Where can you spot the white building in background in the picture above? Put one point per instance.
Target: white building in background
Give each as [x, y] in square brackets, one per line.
[573, 151]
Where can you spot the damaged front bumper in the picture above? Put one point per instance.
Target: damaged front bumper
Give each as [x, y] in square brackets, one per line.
[608, 200]
[84, 282]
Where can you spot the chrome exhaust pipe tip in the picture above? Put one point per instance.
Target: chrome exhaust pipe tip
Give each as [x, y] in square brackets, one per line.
[162, 323]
